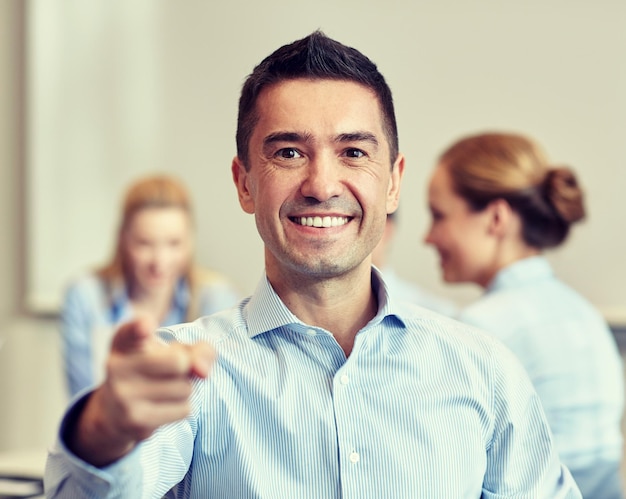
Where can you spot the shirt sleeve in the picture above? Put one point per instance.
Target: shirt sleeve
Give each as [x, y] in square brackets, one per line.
[155, 466]
[76, 324]
[521, 457]
[66, 476]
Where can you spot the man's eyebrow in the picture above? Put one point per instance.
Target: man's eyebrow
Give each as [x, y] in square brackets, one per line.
[358, 136]
[286, 137]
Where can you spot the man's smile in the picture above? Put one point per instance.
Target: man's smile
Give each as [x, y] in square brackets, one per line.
[319, 221]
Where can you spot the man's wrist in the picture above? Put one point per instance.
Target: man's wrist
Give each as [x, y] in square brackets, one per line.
[87, 434]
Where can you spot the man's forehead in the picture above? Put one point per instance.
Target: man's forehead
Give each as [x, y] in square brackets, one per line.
[285, 99]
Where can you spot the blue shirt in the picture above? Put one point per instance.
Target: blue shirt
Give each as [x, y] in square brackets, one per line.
[405, 290]
[572, 359]
[424, 407]
[90, 315]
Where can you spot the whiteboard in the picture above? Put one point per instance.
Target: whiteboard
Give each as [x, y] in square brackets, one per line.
[118, 89]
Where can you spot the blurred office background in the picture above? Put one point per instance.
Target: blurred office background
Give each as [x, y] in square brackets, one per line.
[94, 93]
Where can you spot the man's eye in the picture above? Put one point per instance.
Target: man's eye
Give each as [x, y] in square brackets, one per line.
[288, 153]
[355, 153]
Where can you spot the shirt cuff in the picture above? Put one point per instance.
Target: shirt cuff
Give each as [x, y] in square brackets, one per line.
[67, 474]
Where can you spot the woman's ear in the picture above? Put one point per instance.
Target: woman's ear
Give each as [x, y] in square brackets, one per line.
[500, 217]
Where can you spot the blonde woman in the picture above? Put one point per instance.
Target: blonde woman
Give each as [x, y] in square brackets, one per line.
[496, 205]
[152, 273]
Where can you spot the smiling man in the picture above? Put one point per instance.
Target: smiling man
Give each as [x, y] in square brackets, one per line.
[319, 385]
[319, 181]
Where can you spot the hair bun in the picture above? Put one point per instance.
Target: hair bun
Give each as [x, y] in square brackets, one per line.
[565, 194]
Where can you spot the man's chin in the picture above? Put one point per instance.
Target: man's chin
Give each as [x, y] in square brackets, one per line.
[324, 269]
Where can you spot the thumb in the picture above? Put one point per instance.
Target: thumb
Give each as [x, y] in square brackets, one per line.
[203, 357]
[135, 335]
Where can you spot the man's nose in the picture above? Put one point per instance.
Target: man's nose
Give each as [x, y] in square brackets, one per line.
[322, 178]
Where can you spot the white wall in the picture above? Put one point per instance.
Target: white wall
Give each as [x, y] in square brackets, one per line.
[124, 87]
[154, 85]
[31, 390]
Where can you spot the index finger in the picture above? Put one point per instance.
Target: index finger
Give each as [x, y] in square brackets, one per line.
[177, 360]
[134, 336]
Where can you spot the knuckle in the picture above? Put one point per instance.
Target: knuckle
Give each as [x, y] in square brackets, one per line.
[136, 421]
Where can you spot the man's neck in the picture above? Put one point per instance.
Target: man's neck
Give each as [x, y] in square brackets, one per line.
[342, 305]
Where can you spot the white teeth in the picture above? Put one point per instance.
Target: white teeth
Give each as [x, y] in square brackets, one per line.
[322, 221]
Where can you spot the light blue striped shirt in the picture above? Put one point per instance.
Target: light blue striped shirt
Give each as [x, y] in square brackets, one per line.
[424, 407]
[573, 361]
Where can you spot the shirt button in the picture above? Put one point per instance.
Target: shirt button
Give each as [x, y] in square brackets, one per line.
[311, 332]
[344, 379]
[354, 457]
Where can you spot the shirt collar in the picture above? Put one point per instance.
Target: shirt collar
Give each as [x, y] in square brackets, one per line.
[265, 310]
[530, 269]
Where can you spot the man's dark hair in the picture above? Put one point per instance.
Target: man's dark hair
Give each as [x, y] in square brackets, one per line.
[314, 57]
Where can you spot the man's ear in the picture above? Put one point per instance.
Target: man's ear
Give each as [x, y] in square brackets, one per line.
[242, 181]
[395, 182]
[500, 217]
